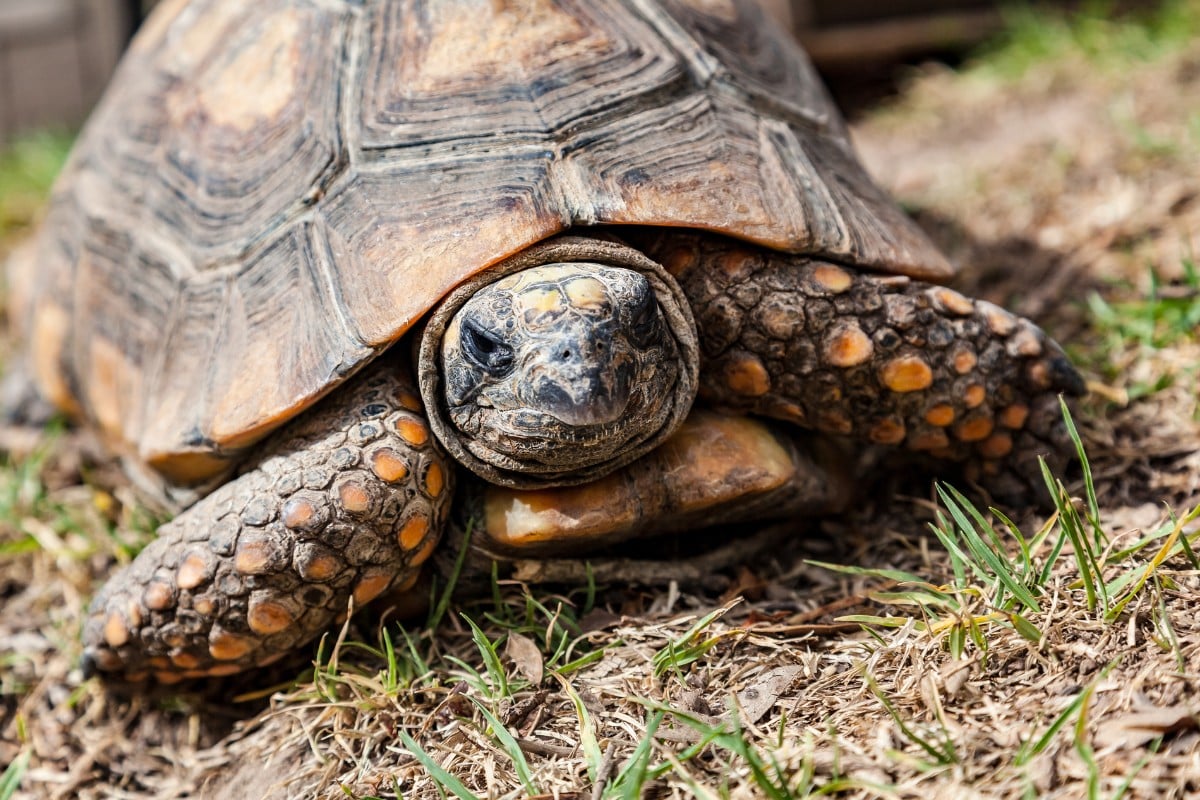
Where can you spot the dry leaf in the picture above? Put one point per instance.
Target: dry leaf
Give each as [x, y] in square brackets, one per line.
[756, 700]
[526, 656]
[1139, 727]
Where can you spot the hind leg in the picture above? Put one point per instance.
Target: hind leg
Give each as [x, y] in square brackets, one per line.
[346, 502]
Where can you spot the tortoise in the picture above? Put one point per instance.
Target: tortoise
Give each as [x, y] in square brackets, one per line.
[312, 265]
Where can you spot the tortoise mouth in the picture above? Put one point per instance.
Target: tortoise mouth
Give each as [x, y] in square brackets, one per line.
[585, 361]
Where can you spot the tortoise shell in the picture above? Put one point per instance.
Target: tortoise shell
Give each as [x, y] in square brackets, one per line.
[271, 192]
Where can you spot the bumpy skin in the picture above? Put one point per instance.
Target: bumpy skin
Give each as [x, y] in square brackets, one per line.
[346, 503]
[882, 358]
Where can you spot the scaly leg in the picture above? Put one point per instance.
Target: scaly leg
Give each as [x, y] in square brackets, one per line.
[347, 501]
[880, 358]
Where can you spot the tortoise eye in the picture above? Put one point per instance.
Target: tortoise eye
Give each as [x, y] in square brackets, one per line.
[486, 350]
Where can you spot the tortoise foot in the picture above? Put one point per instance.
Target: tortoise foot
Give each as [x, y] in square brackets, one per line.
[345, 504]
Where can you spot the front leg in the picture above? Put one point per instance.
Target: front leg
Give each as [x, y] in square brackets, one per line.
[880, 358]
[347, 502]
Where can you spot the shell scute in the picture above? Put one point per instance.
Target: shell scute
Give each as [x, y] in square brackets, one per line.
[273, 191]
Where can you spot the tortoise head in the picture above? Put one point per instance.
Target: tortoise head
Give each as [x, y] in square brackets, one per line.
[561, 370]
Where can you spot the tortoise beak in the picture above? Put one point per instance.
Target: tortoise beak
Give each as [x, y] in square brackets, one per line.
[578, 391]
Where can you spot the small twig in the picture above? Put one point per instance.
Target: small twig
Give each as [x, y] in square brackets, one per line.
[543, 749]
[606, 765]
[838, 605]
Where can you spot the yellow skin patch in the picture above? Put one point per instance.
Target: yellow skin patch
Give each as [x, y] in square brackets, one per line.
[1014, 416]
[907, 374]
[928, 441]
[413, 532]
[116, 632]
[389, 466]
[789, 411]
[737, 263]
[1026, 343]
[203, 605]
[422, 555]
[533, 304]
[298, 512]
[586, 293]
[998, 445]
[964, 362]
[954, 302]
[254, 557]
[225, 646]
[1039, 375]
[135, 613]
[974, 430]
[371, 587]
[435, 481]
[185, 660]
[268, 616]
[888, 431]
[354, 498]
[320, 568]
[848, 346]
[407, 583]
[833, 421]
[974, 396]
[192, 572]
[832, 279]
[940, 415]
[999, 321]
[413, 431]
[224, 669]
[746, 375]
[678, 260]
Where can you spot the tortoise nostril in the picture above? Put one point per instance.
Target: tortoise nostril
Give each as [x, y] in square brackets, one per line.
[566, 354]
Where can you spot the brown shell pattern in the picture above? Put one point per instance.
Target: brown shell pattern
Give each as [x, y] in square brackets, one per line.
[273, 191]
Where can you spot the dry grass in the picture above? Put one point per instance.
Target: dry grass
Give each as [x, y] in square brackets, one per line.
[1067, 182]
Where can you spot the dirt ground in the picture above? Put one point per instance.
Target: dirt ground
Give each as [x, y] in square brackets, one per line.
[1069, 189]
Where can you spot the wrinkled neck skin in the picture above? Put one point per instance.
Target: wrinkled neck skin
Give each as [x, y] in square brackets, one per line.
[555, 374]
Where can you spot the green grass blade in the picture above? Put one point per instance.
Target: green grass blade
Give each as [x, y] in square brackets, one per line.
[587, 734]
[491, 658]
[510, 746]
[10, 781]
[438, 610]
[436, 771]
[632, 780]
[887, 574]
[999, 565]
[1093, 505]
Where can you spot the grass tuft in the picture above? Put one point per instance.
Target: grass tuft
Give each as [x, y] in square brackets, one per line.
[28, 167]
[1034, 38]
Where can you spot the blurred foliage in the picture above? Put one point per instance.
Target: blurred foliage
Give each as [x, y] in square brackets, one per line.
[1100, 32]
[27, 170]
